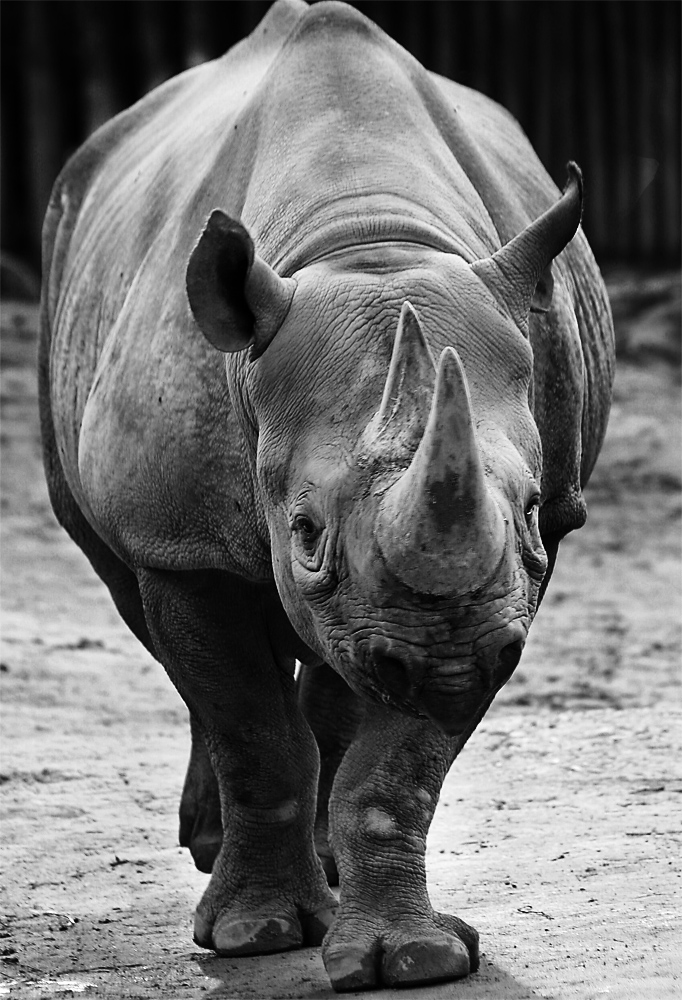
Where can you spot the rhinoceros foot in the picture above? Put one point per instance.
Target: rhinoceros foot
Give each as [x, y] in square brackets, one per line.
[257, 933]
[367, 954]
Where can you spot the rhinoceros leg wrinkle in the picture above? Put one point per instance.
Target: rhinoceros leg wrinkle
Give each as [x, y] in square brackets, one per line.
[325, 365]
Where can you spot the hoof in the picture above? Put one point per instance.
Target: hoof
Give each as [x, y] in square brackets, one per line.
[458, 928]
[261, 933]
[432, 951]
[250, 934]
[352, 967]
[427, 961]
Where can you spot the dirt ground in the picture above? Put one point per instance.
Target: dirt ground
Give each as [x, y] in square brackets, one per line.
[559, 831]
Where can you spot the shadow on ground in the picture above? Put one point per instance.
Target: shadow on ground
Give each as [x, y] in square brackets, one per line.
[249, 978]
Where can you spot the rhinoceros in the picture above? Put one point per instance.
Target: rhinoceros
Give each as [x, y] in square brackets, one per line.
[326, 363]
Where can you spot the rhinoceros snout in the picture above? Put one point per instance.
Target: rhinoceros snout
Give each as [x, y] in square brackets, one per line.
[399, 671]
[394, 675]
[508, 659]
[450, 694]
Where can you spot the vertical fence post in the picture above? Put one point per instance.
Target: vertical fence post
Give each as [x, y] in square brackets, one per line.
[599, 81]
[668, 100]
[43, 156]
[594, 119]
[98, 86]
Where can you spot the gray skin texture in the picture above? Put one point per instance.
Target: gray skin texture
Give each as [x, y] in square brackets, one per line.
[242, 523]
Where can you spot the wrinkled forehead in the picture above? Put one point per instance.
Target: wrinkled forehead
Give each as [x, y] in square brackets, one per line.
[331, 353]
[322, 377]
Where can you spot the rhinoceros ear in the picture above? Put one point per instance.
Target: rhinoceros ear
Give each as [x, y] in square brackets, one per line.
[520, 273]
[236, 298]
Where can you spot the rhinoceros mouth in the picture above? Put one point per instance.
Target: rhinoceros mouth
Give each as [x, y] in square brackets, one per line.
[448, 690]
[406, 679]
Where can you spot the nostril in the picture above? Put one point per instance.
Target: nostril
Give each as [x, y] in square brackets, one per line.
[509, 657]
[393, 674]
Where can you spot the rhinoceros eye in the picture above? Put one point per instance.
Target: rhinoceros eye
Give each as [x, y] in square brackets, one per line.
[532, 505]
[305, 528]
[307, 533]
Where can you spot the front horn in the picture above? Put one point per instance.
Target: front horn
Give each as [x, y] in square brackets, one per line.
[439, 529]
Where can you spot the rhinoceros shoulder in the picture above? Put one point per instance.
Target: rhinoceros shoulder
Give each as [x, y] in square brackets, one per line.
[121, 222]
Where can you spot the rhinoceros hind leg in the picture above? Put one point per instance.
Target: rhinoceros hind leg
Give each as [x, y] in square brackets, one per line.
[201, 828]
[333, 712]
[326, 857]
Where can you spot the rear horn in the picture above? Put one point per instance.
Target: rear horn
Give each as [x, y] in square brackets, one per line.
[512, 273]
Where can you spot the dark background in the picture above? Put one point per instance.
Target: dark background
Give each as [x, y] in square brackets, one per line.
[596, 81]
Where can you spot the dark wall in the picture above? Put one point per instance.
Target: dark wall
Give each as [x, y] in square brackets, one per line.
[597, 81]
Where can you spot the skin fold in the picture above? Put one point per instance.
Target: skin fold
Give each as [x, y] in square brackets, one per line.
[325, 365]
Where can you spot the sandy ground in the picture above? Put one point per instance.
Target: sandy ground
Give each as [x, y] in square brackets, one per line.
[559, 831]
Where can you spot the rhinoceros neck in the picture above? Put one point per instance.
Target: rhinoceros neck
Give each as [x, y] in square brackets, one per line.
[303, 229]
[331, 165]
[332, 230]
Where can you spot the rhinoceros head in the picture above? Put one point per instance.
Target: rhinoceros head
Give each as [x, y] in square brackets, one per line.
[400, 475]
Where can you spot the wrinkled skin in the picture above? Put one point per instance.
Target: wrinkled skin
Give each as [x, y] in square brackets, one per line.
[339, 593]
[323, 372]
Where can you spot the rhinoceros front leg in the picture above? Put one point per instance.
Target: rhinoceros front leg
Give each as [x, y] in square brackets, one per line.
[333, 713]
[386, 932]
[267, 890]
